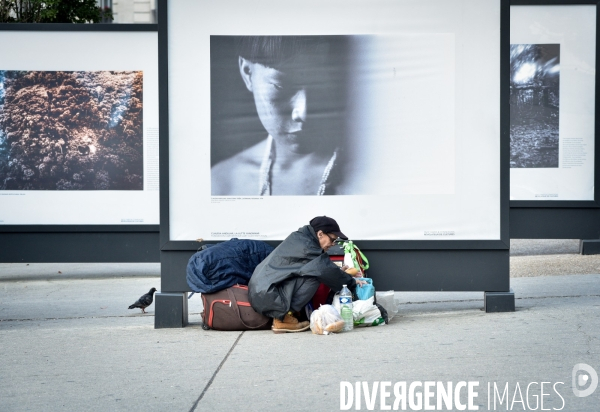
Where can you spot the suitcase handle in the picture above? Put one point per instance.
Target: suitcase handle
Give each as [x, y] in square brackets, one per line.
[237, 310]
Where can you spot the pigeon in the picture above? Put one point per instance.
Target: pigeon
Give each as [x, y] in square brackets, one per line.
[144, 301]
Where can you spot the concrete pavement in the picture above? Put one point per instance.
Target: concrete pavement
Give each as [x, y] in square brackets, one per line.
[68, 342]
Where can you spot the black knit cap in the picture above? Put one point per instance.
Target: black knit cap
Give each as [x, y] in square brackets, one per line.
[327, 225]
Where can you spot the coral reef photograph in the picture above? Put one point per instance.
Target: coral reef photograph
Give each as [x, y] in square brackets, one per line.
[71, 130]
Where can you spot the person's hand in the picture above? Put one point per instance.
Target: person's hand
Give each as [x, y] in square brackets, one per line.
[360, 282]
[345, 267]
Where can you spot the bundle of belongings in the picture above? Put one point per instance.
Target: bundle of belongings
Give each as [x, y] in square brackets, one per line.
[277, 280]
[366, 309]
[220, 272]
[219, 266]
[297, 270]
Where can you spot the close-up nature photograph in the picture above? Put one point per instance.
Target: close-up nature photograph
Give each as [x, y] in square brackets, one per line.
[534, 105]
[71, 130]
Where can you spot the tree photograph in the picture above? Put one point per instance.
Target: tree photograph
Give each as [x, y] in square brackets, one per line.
[534, 105]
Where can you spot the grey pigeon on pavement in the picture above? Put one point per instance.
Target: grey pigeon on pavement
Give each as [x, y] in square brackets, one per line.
[144, 301]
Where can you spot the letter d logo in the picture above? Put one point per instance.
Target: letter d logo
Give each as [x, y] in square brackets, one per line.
[581, 380]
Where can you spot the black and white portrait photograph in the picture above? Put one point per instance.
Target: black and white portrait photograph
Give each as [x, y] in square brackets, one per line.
[294, 115]
[278, 107]
[71, 130]
[534, 105]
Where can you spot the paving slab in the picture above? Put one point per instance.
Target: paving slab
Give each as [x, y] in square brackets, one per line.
[71, 356]
[101, 364]
[550, 257]
[68, 342]
[532, 247]
[541, 342]
[57, 271]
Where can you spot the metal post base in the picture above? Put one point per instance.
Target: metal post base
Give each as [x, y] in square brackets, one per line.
[589, 247]
[499, 301]
[170, 310]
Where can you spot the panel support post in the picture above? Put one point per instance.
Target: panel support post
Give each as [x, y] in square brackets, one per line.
[589, 247]
[499, 301]
[171, 310]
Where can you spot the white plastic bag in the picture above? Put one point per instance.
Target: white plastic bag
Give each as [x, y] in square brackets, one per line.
[336, 301]
[386, 299]
[348, 260]
[326, 320]
[365, 313]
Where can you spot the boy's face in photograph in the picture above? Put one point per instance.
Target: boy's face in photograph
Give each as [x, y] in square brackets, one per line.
[296, 101]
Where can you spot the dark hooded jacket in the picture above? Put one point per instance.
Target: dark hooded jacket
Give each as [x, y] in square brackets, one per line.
[298, 260]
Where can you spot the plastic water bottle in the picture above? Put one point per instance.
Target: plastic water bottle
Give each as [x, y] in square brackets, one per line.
[346, 309]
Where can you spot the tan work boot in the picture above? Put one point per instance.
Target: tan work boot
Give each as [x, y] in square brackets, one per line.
[289, 324]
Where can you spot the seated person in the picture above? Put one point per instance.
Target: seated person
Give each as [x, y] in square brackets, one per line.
[296, 82]
[288, 278]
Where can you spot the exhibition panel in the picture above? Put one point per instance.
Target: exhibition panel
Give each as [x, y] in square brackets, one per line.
[79, 142]
[553, 90]
[79, 128]
[390, 128]
[390, 116]
[554, 119]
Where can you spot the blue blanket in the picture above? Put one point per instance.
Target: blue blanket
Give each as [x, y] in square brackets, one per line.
[225, 264]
